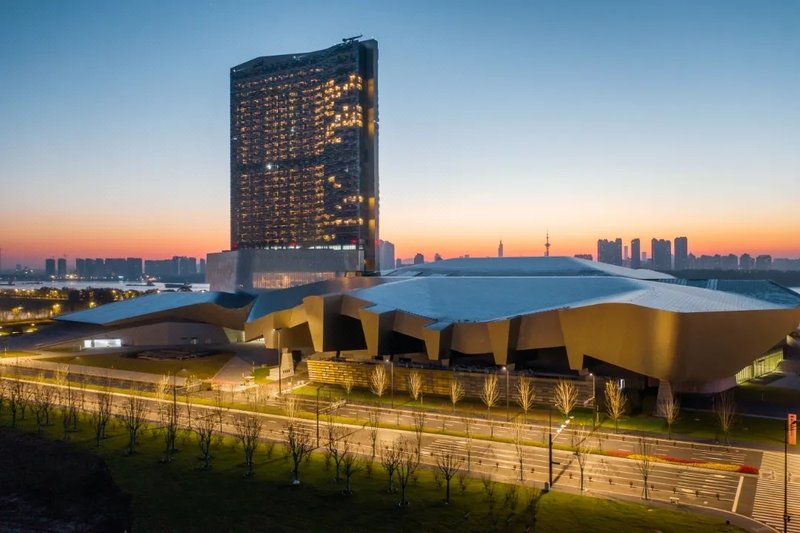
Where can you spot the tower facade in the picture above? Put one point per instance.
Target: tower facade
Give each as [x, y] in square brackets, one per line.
[609, 251]
[304, 153]
[661, 253]
[682, 253]
[636, 253]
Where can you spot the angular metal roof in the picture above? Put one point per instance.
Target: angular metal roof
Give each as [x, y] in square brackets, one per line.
[151, 304]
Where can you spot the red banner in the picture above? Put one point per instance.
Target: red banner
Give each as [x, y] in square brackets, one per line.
[791, 426]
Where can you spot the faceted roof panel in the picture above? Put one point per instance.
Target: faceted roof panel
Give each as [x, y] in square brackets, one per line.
[480, 299]
[155, 303]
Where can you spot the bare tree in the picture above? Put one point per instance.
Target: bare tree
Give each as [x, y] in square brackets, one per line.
[415, 386]
[133, 416]
[373, 422]
[43, 398]
[519, 446]
[101, 414]
[616, 402]
[347, 384]
[390, 458]
[68, 402]
[670, 410]
[449, 464]
[16, 399]
[204, 427]
[565, 396]
[456, 392]
[468, 442]
[525, 395]
[70, 399]
[644, 462]
[247, 429]
[378, 381]
[582, 449]
[299, 443]
[188, 400]
[419, 428]
[490, 394]
[290, 406]
[725, 409]
[351, 463]
[169, 423]
[334, 445]
[406, 466]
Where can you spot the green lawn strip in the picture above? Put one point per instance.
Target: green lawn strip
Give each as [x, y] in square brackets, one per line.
[179, 496]
[203, 367]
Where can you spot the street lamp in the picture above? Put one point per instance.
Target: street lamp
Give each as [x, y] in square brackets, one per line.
[552, 438]
[508, 416]
[791, 423]
[594, 398]
[280, 362]
[391, 378]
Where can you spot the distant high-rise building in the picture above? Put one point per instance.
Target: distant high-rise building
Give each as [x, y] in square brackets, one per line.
[386, 255]
[730, 262]
[609, 251]
[763, 262]
[133, 268]
[398, 263]
[61, 269]
[419, 259]
[437, 257]
[745, 262]
[500, 249]
[80, 267]
[681, 253]
[625, 256]
[50, 268]
[201, 266]
[588, 257]
[636, 261]
[661, 252]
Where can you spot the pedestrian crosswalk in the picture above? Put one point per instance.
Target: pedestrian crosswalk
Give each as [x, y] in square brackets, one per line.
[768, 506]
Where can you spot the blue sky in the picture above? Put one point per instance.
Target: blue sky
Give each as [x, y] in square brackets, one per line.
[497, 120]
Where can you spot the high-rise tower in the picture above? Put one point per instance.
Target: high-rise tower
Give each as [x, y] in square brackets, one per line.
[500, 249]
[304, 168]
[304, 151]
[547, 244]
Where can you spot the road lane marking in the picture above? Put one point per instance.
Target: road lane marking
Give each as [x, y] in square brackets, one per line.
[738, 493]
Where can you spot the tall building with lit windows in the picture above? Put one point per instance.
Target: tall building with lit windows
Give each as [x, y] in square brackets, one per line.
[304, 166]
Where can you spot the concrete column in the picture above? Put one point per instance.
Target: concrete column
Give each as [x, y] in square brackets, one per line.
[664, 397]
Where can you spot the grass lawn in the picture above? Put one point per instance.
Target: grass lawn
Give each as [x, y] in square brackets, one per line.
[202, 367]
[179, 496]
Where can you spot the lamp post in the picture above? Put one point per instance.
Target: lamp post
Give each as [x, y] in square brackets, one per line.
[791, 423]
[508, 416]
[552, 438]
[280, 363]
[594, 398]
[391, 378]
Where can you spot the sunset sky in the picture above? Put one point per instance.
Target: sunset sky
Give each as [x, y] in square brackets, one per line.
[498, 120]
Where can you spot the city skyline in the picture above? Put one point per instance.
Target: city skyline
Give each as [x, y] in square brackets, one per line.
[628, 120]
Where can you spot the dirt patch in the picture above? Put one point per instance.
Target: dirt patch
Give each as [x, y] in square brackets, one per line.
[51, 486]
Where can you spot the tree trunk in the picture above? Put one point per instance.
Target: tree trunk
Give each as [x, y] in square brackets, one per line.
[447, 493]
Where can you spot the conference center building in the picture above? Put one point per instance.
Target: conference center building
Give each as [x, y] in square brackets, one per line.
[553, 316]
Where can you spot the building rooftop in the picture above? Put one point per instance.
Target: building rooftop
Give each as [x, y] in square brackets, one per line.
[524, 266]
